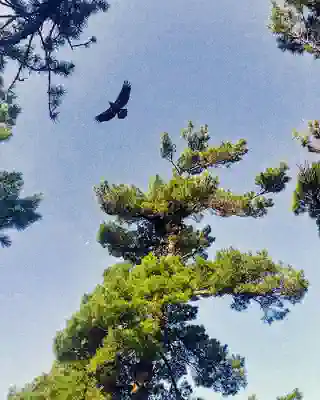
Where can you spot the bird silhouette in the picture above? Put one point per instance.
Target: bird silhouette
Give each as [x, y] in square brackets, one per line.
[117, 108]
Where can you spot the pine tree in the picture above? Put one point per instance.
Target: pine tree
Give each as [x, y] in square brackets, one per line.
[15, 212]
[306, 196]
[134, 336]
[52, 23]
[296, 25]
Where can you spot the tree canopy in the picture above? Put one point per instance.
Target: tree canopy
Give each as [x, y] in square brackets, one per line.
[135, 335]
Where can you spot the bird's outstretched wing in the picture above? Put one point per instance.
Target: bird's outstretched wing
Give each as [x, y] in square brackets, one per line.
[106, 115]
[124, 95]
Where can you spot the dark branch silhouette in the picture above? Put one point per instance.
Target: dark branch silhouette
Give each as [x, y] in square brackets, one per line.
[47, 26]
[116, 108]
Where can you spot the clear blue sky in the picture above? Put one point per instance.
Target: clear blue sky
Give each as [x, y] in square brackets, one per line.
[214, 63]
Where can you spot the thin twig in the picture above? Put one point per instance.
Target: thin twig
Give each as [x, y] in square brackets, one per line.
[84, 44]
[5, 4]
[47, 54]
[70, 44]
[7, 23]
[179, 171]
[22, 64]
[9, 16]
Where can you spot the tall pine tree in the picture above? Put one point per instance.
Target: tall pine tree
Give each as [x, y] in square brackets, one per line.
[134, 336]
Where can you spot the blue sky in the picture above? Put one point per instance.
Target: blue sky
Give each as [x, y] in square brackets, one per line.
[214, 63]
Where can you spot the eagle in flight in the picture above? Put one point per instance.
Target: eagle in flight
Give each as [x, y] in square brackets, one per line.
[117, 108]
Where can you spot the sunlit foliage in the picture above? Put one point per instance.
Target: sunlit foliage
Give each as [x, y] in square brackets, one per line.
[135, 335]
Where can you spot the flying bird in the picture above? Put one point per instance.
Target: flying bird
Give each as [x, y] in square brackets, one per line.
[117, 108]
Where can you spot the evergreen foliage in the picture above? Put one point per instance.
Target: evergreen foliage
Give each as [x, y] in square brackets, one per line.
[134, 336]
[15, 212]
[32, 32]
[306, 196]
[296, 25]
[159, 216]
